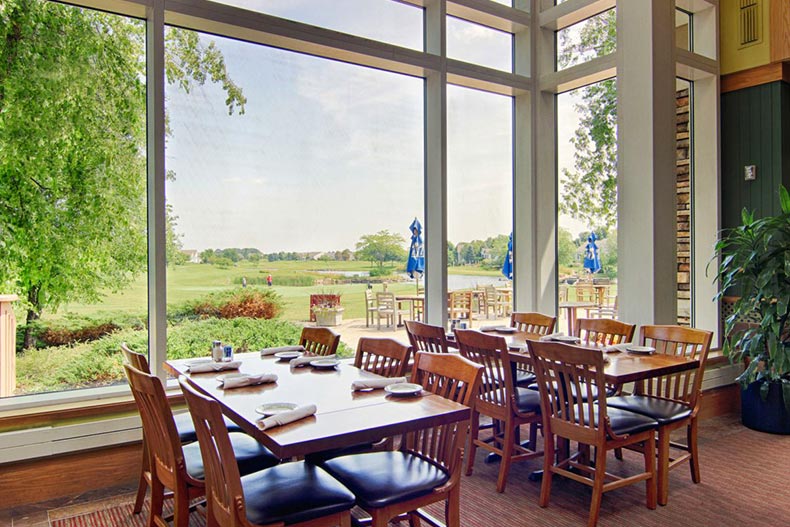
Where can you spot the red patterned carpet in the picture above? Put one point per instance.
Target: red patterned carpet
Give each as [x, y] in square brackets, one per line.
[744, 482]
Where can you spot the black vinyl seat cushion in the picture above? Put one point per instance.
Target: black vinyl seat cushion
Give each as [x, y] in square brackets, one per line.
[625, 422]
[662, 410]
[525, 378]
[292, 493]
[595, 391]
[324, 455]
[527, 400]
[186, 427]
[379, 479]
[250, 455]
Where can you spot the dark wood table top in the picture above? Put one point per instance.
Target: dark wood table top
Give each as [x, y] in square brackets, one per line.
[343, 417]
[621, 367]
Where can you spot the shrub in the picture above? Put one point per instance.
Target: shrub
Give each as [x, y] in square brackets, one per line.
[248, 302]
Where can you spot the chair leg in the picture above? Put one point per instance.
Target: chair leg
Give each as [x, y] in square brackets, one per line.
[663, 466]
[474, 431]
[181, 508]
[345, 519]
[507, 455]
[618, 453]
[548, 461]
[378, 520]
[452, 508]
[650, 468]
[533, 437]
[157, 500]
[691, 438]
[597, 493]
[142, 486]
[414, 519]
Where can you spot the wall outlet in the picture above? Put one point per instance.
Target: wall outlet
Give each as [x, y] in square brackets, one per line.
[750, 172]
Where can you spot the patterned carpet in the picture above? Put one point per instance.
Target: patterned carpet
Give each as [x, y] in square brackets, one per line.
[744, 482]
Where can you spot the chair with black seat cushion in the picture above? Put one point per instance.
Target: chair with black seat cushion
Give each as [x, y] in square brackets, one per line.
[297, 494]
[319, 341]
[382, 356]
[563, 370]
[602, 332]
[672, 400]
[537, 325]
[501, 400]
[183, 421]
[425, 337]
[427, 468]
[176, 467]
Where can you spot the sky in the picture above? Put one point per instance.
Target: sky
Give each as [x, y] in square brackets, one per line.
[327, 152]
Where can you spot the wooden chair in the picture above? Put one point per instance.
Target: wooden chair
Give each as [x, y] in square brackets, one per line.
[297, 493]
[459, 306]
[183, 421]
[370, 307]
[425, 337]
[427, 468]
[608, 309]
[176, 467]
[500, 399]
[385, 357]
[489, 301]
[504, 302]
[672, 400]
[564, 371]
[603, 332]
[319, 341]
[388, 309]
[536, 324]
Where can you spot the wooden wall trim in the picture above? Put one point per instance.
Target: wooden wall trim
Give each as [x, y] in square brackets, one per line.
[70, 475]
[780, 30]
[776, 71]
[720, 401]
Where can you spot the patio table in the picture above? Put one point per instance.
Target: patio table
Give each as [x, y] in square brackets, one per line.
[343, 417]
[571, 311]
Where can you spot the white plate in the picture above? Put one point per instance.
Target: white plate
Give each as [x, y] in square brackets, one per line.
[288, 355]
[324, 363]
[505, 329]
[221, 378]
[195, 362]
[403, 388]
[565, 338]
[275, 408]
[643, 350]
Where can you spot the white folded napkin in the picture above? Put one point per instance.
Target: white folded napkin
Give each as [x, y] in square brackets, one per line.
[618, 347]
[307, 359]
[290, 416]
[203, 367]
[375, 383]
[488, 328]
[237, 381]
[271, 351]
[553, 338]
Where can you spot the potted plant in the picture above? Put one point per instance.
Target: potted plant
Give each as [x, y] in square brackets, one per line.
[328, 312]
[755, 263]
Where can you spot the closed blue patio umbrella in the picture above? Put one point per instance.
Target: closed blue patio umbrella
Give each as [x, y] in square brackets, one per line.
[507, 265]
[416, 262]
[592, 260]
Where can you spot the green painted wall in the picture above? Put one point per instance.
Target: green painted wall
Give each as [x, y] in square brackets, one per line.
[755, 130]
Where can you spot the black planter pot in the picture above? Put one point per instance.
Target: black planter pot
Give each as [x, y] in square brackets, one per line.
[765, 416]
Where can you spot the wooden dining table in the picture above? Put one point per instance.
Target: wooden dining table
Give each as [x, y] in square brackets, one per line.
[343, 417]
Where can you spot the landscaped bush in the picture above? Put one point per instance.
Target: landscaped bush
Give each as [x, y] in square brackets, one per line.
[72, 329]
[247, 302]
[300, 280]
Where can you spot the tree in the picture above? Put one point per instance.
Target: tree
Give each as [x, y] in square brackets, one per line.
[589, 191]
[381, 247]
[72, 130]
[566, 248]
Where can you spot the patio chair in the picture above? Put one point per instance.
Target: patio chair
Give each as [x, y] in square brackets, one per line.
[387, 308]
[185, 428]
[425, 337]
[489, 302]
[427, 468]
[672, 400]
[385, 357]
[563, 371]
[370, 307]
[504, 302]
[176, 467]
[459, 306]
[297, 494]
[319, 341]
[500, 399]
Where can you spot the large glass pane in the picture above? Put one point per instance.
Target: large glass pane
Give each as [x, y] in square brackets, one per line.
[314, 185]
[683, 33]
[384, 20]
[479, 44]
[594, 37]
[479, 201]
[73, 195]
[587, 224]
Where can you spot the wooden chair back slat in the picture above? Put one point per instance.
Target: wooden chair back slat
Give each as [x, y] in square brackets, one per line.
[382, 356]
[425, 337]
[454, 378]
[491, 353]
[167, 458]
[224, 493]
[679, 341]
[604, 331]
[137, 360]
[535, 323]
[319, 341]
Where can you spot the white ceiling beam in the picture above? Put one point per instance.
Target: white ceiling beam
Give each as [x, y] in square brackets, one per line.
[486, 79]
[572, 12]
[590, 72]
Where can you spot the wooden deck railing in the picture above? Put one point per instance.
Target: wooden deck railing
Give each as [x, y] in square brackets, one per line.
[7, 346]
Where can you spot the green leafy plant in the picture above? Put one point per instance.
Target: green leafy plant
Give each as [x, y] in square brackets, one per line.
[755, 261]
